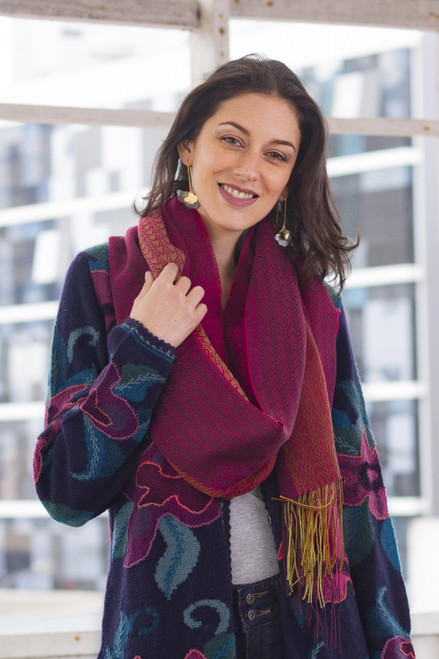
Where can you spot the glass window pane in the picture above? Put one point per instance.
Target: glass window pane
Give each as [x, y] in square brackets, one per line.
[41, 163]
[394, 424]
[26, 274]
[370, 85]
[349, 145]
[24, 359]
[382, 354]
[17, 443]
[380, 204]
[80, 192]
[91, 65]
[42, 554]
[351, 71]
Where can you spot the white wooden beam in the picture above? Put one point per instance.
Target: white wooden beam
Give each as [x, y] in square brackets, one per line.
[415, 14]
[47, 114]
[57, 645]
[209, 44]
[10, 412]
[173, 13]
[25, 313]
[143, 118]
[383, 126]
[85, 644]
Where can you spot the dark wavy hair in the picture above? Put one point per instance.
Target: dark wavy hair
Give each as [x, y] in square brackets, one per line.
[312, 216]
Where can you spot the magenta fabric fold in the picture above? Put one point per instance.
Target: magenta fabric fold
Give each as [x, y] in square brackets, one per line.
[251, 388]
[228, 439]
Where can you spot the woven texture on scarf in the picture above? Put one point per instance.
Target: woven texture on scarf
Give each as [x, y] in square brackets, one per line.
[225, 438]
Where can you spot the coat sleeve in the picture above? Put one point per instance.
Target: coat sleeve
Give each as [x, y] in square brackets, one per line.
[103, 386]
[368, 531]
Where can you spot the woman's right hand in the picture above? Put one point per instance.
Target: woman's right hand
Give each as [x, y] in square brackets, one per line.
[168, 307]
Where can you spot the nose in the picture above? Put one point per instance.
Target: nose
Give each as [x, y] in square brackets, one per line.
[247, 168]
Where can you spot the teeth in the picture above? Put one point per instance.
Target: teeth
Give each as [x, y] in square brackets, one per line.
[236, 193]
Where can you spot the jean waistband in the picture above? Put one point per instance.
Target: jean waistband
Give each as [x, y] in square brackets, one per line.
[258, 603]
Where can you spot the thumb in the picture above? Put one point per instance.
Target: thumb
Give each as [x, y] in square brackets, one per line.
[149, 280]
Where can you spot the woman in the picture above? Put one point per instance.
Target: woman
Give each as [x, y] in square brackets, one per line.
[203, 390]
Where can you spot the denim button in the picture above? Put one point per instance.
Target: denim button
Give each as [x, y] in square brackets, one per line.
[251, 615]
[251, 598]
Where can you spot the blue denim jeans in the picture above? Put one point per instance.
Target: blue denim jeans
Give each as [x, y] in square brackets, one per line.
[258, 622]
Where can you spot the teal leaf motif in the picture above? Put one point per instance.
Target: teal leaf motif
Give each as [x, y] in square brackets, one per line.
[67, 515]
[353, 392]
[98, 255]
[221, 646]
[315, 650]
[122, 633]
[120, 531]
[381, 621]
[58, 377]
[388, 543]
[221, 608]
[103, 455]
[76, 334]
[347, 438]
[180, 557]
[358, 532]
[125, 628]
[135, 381]
[154, 622]
[58, 371]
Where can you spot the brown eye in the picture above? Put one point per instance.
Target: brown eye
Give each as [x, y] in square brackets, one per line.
[275, 155]
[231, 140]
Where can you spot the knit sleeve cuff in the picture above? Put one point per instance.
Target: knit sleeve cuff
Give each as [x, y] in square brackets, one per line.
[149, 339]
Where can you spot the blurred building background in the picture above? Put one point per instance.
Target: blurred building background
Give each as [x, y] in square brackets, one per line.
[65, 186]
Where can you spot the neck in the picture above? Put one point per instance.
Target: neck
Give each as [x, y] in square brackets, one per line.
[224, 250]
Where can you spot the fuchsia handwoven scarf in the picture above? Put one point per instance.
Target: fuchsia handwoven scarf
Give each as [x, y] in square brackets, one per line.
[225, 431]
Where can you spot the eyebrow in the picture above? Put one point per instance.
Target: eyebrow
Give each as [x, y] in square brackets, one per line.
[246, 132]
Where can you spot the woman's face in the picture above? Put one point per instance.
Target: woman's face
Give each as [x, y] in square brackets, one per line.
[242, 160]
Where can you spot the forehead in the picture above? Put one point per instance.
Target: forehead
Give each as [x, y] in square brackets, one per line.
[257, 111]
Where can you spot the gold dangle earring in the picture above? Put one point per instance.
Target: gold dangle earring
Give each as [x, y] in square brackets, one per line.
[283, 237]
[188, 199]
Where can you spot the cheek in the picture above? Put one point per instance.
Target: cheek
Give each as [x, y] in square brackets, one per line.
[204, 167]
[287, 177]
[279, 183]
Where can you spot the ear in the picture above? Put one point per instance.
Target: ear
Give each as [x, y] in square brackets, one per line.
[284, 194]
[185, 152]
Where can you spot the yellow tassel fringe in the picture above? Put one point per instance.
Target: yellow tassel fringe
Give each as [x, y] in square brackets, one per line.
[315, 546]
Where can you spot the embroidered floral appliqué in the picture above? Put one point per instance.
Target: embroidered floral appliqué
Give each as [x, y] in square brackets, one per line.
[362, 480]
[158, 490]
[398, 647]
[63, 401]
[108, 412]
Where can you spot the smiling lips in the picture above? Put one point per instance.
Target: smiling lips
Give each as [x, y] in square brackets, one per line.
[235, 196]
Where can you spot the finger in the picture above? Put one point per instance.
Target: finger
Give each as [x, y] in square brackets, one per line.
[169, 272]
[183, 284]
[195, 295]
[149, 280]
[201, 311]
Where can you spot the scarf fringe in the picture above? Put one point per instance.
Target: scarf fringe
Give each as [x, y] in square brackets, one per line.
[313, 546]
